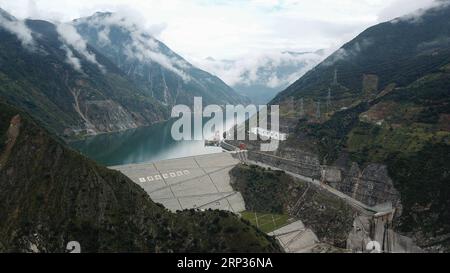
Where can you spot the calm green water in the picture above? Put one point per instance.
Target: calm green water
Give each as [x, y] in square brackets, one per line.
[146, 144]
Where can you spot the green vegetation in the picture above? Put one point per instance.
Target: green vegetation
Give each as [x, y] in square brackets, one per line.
[45, 86]
[423, 178]
[266, 222]
[332, 134]
[415, 148]
[408, 131]
[399, 53]
[404, 122]
[263, 191]
[275, 194]
[154, 79]
[372, 143]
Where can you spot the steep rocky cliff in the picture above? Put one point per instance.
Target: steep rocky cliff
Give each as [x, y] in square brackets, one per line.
[372, 185]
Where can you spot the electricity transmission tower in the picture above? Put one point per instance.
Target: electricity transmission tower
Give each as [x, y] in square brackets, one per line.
[329, 100]
[335, 77]
[302, 109]
[291, 103]
[318, 114]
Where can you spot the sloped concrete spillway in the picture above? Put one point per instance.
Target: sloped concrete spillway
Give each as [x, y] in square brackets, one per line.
[199, 182]
[296, 238]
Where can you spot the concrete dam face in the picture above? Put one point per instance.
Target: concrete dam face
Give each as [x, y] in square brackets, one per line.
[199, 182]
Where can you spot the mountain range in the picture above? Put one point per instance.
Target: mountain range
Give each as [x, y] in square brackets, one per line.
[260, 77]
[154, 67]
[54, 84]
[376, 113]
[382, 101]
[76, 84]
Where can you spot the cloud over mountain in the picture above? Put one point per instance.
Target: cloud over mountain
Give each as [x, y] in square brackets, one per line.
[197, 28]
[142, 47]
[260, 76]
[274, 69]
[70, 36]
[18, 28]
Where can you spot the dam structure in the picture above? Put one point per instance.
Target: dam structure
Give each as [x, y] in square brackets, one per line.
[203, 182]
[197, 182]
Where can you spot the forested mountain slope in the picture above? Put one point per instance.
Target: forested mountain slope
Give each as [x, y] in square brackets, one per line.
[383, 101]
[50, 72]
[150, 64]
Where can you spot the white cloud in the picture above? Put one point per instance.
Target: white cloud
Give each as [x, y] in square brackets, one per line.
[18, 28]
[273, 69]
[72, 60]
[103, 36]
[144, 52]
[227, 29]
[69, 35]
[143, 46]
[348, 52]
[408, 10]
[241, 30]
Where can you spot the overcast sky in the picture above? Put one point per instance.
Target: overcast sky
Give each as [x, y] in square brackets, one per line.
[227, 29]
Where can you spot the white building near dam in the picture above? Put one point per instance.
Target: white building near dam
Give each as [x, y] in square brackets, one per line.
[269, 134]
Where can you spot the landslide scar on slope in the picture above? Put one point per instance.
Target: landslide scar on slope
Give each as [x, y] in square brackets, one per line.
[11, 138]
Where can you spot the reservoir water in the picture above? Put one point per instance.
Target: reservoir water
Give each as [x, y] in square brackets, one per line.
[146, 144]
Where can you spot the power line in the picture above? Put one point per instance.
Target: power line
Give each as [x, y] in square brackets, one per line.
[302, 108]
[335, 81]
[329, 100]
[318, 113]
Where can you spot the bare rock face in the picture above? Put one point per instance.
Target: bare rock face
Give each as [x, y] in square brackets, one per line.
[303, 164]
[108, 115]
[11, 138]
[331, 174]
[370, 85]
[372, 185]
[376, 235]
